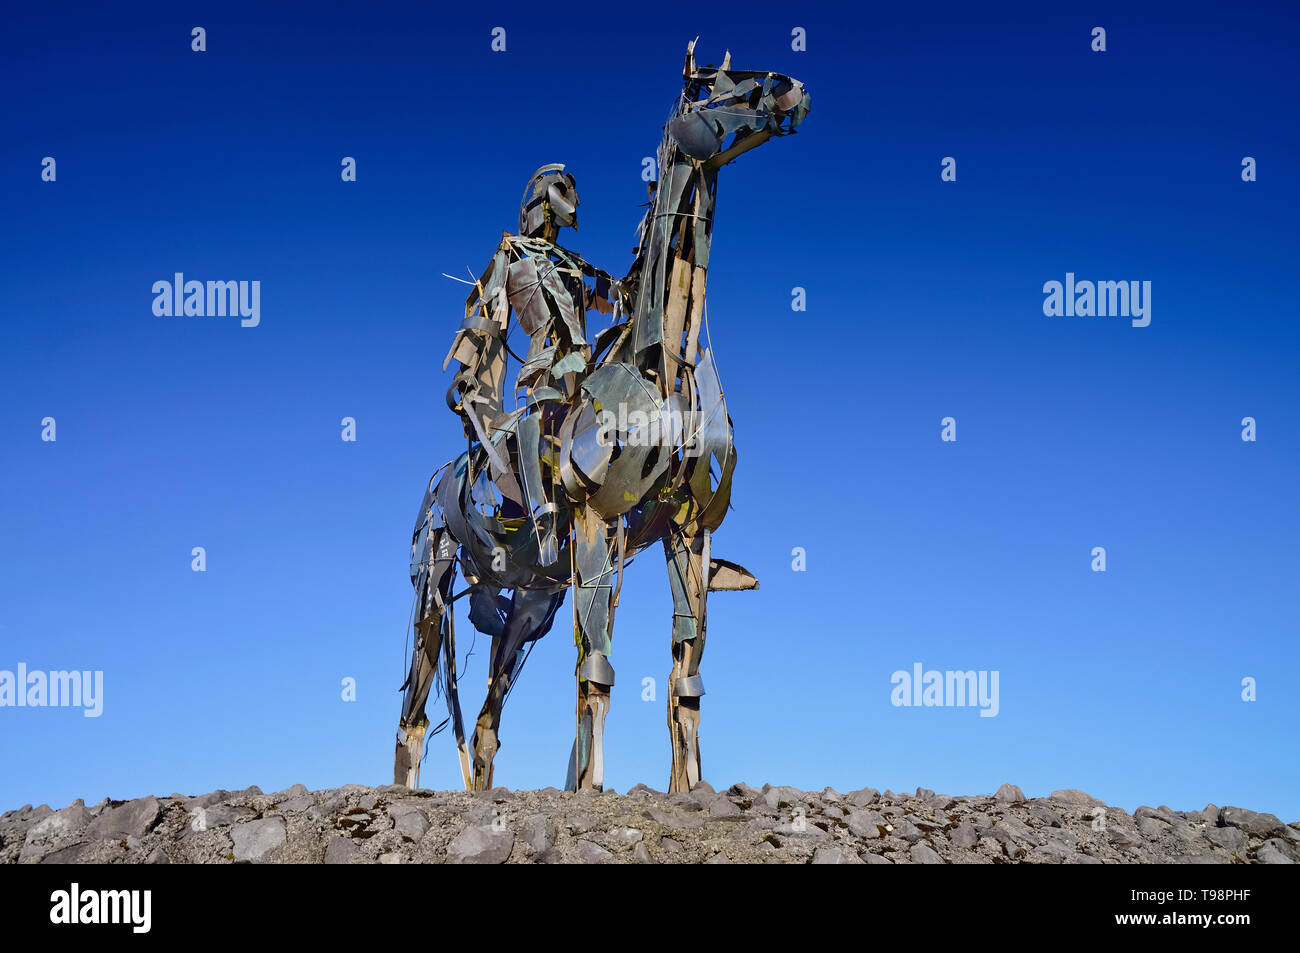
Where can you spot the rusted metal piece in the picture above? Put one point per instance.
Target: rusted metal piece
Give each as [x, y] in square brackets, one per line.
[608, 441]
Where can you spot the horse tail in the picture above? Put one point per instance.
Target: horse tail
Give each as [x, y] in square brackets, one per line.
[434, 561]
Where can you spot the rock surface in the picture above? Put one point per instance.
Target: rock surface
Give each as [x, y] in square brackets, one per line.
[773, 824]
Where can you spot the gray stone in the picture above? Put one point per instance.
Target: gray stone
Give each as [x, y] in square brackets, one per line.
[1254, 824]
[1270, 854]
[1076, 798]
[1053, 852]
[625, 836]
[1152, 827]
[687, 802]
[835, 855]
[964, 835]
[775, 795]
[480, 845]
[538, 832]
[866, 824]
[341, 850]
[217, 815]
[641, 854]
[590, 853]
[721, 806]
[204, 800]
[256, 839]
[1161, 813]
[1229, 838]
[876, 859]
[483, 814]
[1124, 838]
[412, 824]
[1281, 847]
[1044, 815]
[1009, 794]
[862, 797]
[66, 855]
[330, 807]
[923, 853]
[581, 823]
[800, 826]
[907, 831]
[132, 819]
[71, 819]
[1012, 829]
[672, 818]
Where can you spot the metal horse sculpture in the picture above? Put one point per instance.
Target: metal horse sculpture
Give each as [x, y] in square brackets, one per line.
[614, 443]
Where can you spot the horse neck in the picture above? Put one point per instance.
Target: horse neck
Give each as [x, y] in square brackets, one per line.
[674, 260]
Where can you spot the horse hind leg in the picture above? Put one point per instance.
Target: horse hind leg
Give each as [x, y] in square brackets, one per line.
[433, 581]
[413, 725]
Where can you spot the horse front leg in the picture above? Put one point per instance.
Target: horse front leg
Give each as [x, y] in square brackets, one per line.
[688, 557]
[485, 742]
[527, 619]
[593, 601]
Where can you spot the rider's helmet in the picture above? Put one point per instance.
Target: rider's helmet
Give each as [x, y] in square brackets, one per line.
[550, 198]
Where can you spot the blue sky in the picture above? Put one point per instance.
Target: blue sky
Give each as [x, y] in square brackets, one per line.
[924, 300]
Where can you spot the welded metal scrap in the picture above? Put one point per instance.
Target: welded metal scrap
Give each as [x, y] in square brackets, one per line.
[612, 435]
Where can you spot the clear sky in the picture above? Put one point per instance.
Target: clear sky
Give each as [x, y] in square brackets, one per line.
[924, 301]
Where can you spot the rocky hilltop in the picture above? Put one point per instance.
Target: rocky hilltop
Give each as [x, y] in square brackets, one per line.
[396, 825]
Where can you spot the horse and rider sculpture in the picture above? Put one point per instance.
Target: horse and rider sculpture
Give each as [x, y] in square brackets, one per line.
[603, 444]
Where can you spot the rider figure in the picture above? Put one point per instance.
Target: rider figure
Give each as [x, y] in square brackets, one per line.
[543, 284]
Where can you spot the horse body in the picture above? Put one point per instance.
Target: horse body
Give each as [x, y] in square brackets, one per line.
[620, 443]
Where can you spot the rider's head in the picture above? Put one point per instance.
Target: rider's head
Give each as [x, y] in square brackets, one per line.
[550, 203]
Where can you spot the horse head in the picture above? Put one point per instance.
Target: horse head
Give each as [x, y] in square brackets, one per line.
[724, 112]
